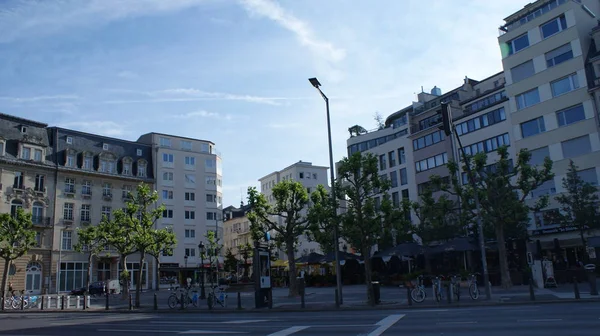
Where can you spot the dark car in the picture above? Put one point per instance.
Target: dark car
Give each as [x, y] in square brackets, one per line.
[96, 288]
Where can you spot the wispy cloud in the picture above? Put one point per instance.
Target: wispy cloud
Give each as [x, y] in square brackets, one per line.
[28, 18]
[284, 125]
[202, 114]
[273, 11]
[107, 128]
[38, 98]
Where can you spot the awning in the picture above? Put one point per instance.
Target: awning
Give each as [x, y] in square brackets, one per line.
[279, 263]
[311, 258]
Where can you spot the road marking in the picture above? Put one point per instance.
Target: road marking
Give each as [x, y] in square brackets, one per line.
[244, 321]
[540, 320]
[289, 331]
[211, 332]
[135, 330]
[385, 324]
[457, 322]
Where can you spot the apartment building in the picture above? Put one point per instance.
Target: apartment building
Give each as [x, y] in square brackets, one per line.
[236, 229]
[550, 61]
[310, 176]
[27, 178]
[189, 180]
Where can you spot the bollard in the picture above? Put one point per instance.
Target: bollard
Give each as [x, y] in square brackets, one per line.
[155, 302]
[42, 303]
[3, 302]
[77, 303]
[449, 292]
[106, 307]
[68, 302]
[302, 303]
[576, 288]
[130, 302]
[22, 302]
[531, 290]
[48, 301]
[270, 298]
[337, 299]
[62, 302]
[408, 297]
[181, 301]
[239, 301]
[85, 298]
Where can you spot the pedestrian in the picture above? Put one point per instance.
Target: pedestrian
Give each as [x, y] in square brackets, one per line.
[10, 289]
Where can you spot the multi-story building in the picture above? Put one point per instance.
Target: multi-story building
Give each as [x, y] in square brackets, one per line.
[546, 48]
[27, 176]
[94, 175]
[236, 229]
[189, 180]
[310, 176]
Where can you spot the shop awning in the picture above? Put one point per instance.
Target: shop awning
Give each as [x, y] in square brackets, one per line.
[279, 263]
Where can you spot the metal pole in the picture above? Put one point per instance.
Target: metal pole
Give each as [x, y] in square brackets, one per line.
[486, 275]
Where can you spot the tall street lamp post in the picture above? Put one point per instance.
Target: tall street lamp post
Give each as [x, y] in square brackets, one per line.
[338, 274]
[201, 251]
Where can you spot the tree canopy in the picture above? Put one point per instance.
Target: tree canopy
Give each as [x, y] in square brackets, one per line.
[17, 237]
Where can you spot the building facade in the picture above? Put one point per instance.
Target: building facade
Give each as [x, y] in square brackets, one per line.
[237, 236]
[310, 176]
[550, 63]
[189, 180]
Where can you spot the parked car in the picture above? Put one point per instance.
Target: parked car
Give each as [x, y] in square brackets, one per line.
[96, 288]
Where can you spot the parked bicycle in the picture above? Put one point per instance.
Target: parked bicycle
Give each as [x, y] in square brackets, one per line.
[15, 301]
[418, 293]
[216, 296]
[455, 281]
[438, 292]
[473, 289]
[174, 299]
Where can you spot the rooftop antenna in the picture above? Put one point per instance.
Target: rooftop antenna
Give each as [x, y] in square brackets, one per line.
[422, 89]
[241, 197]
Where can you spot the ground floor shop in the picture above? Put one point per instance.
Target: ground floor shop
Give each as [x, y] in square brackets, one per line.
[30, 273]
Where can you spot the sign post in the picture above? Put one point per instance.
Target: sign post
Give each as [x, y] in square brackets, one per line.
[262, 274]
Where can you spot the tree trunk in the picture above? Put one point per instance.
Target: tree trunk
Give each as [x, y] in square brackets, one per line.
[89, 273]
[124, 280]
[5, 276]
[368, 275]
[293, 289]
[584, 245]
[504, 271]
[138, 279]
[157, 274]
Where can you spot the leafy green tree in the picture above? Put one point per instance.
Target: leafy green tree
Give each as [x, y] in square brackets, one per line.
[578, 205]
[246, 252]
[321, 220]
[16, 238]
[164, 241]
[92, 241]
[291, 199]
[230, 263]
[120, 237]
[502, 188]
[439, 219]
[365, 220]
[211, 252]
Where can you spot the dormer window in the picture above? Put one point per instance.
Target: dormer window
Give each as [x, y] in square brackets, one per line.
[141, 168]
[26, 153]
[107, 163]
[138, 152]
[1, 148]
[69, 140]
[104, 146]
[126, 166]
[23, 129]
[88, 161]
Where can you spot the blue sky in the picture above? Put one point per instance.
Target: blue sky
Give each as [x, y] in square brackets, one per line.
[235, 72]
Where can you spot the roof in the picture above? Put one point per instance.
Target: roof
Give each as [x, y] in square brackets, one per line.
[299, 163]
[175, 136]
[22, 120]
[37, 134]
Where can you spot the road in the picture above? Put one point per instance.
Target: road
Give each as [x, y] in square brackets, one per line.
[571, 319]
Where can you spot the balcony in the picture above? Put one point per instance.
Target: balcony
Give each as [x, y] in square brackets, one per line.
[40, 221]
[67, 221]
[107, 196]
[18, 188]
[85, 221]
[40, 191]
[86, 194]
[69, 191]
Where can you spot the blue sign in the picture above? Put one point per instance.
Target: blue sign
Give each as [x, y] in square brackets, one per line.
[267, 236]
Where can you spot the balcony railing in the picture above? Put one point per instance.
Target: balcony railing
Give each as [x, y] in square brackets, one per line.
[40, 221]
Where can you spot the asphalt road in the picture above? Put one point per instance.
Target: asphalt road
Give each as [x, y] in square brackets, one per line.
[571, 319]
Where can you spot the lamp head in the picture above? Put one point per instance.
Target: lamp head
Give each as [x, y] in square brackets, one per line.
[315, 82]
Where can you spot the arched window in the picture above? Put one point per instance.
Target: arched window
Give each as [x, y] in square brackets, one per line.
[37, 213]
[14, 205]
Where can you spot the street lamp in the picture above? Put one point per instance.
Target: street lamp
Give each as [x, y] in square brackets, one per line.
[185, 260]
[338, 275]
[201, 250]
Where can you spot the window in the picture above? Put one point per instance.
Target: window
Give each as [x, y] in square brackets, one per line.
[87, 162]
[190, 233]
[190, 252]
[570, 115]
[37, 155]
[301, 175]
[68, 211]
[527, 99]
[211, 216]
[190, 196]
[401, 156]
[69, 185]
[533, 127]
[211, 198]
[382, 162]
[37, 213]
[191, 179]
[403, 177]
[40, 183]
[138, 152]
[472, 125]
[105, 146]
[106, 211]
[70, 161]
[14, 206]
[23, 129]
[428, 140]
[126, 168]
[564, 85]
[186, 145]
[168, 176]
[103, 271]
[25, 153]
[576, 147]
[1, 147]
[392, 158]
[69, 140]
[314, 175]
[544, 218]
[205, 148]
[396, 199]
[189, 214]
[559, 55]
[106, 189]
[85, 212]
[165, 142]
[394, 179]
[168, 158]
[546, 188]
[86, 187]
[167, 194]
[67, 241]
[589, 176]
[210, 163]
[518, 44]
[18, 181]
[432, 162]
[488, 145]
[167, 213]
[485, 102]
[539, 155]
[553, 26]
[125, 191]
[405, 194]
[141, 169]
[522, 71]
[107, 166]
[190, 161]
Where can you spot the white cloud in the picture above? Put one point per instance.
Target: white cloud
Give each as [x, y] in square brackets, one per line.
[39, 98]
[202, 114]
[284, 125]
[107, 128]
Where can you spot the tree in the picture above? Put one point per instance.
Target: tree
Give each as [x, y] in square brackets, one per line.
[91, 240]
[212, 250]
[16, 238]
[291, 199]
[502, 188]
[230, 263]
[164, 241]
[369, 213]
[321, 219]
[379, 120]
[439, 219]
[578, 205]
[246, 252]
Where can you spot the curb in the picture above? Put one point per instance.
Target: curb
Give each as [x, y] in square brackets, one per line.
[301, 310]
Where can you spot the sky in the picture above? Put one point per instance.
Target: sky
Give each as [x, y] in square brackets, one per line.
[235, 72]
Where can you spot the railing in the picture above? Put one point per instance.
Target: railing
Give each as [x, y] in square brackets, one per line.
[40, 221]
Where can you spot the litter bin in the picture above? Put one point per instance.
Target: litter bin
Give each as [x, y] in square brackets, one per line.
[301, 285]
[376, 291]
[590, 269]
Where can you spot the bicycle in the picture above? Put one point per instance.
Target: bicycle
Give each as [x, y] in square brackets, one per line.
[473, 289]
[418, 293]
[218, 297]
[438, 292]
[174, 299]
[455, 280]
